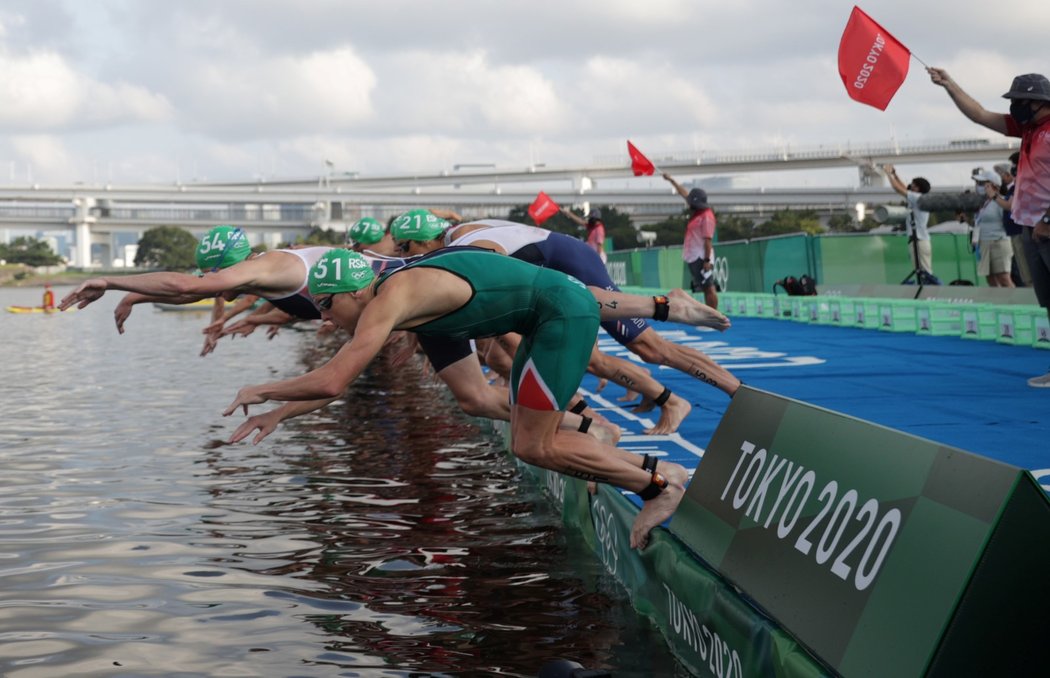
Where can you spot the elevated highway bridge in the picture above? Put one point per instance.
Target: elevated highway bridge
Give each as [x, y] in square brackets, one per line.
[273, 211]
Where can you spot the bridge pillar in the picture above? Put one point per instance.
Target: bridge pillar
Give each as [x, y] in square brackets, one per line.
[81, 221]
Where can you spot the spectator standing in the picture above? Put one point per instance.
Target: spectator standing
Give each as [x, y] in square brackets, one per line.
[994, 252]
[918, 219]
[1019, 270]
[698, 249]
[595, 229]
[1029, 119]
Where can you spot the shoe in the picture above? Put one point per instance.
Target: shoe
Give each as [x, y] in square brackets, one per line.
[1042, 381]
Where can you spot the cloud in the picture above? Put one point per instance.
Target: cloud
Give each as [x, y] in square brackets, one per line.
[42, 92]
[640, 97]
[46, 154]
[464, 93]
[254, 96]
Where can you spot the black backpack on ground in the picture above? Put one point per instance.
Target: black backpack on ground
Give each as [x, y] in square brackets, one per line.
[803, 286]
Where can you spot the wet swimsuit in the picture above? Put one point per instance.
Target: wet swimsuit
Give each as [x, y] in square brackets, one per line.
[300, 304]
[555, 314]
[562, 253]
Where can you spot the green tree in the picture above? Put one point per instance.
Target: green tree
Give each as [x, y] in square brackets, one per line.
[732, 227]
[842, 222]
[29, 251]
[788, 221]
[167, 247]
[322, 237]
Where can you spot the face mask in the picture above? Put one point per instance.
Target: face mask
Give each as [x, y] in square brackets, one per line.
[1022, 111]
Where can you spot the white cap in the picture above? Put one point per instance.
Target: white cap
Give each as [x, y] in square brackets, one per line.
[981, 174]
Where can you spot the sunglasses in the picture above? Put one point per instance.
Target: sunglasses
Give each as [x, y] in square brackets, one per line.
[325, 304]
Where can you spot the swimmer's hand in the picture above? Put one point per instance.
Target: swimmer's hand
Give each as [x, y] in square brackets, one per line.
[249, 395]
[121, 312]
[210, 342]
[266, 423]
[89, 291]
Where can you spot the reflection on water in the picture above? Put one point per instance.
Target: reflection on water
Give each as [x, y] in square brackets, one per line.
[386, 535]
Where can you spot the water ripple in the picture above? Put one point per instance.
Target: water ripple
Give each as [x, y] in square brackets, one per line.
[387, 535]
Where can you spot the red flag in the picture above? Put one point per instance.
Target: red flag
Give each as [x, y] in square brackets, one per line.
[639, 163]
[872, 63]
[543, 208]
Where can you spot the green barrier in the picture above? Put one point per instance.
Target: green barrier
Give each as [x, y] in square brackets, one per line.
[885, 554]
[733, 303]
[851, 259]
[799, 309]
[866, 313]
[835, 261]
[979, 322]
[742, 267]
[782, 256]
[764, 305]
[1041, 331]
[820, 311]
[897, 315]
[710, 628]
[1015, 325]
[840, 310]
[938, 319]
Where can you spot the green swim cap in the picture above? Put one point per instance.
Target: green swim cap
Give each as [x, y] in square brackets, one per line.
[367, 231]
[222, 246]
[340, 270]
[418, 225]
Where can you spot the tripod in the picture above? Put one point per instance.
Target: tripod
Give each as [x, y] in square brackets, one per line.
[918, 276]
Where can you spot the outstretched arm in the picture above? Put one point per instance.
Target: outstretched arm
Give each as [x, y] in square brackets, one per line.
[375, 324]
[677, 186]
[451, 215]
[966, 103]
[263, 316]
[244, 276]
[576, 218]
[895, 182]
[127, 304]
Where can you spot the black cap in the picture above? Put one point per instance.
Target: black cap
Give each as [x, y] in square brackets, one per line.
[697, 199]
[595, 214]
[1030, 86]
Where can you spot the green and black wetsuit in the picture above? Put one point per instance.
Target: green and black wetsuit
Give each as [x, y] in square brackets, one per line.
[555, 314]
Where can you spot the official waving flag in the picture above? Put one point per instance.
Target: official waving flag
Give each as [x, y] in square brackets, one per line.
[639, 163]
[542, 208]
[872, 63]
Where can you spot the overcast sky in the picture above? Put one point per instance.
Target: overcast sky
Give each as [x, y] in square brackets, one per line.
[128, 91]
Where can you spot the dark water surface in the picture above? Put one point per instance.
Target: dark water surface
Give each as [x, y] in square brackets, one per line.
[387, 535]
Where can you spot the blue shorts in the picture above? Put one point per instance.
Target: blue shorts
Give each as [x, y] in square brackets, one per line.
[575, 257]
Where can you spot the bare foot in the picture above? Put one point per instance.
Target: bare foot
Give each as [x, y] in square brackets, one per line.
[630, 395]
[671, 415]
[659, 508]
[647, 405]
[602, 383]
[687, 310]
